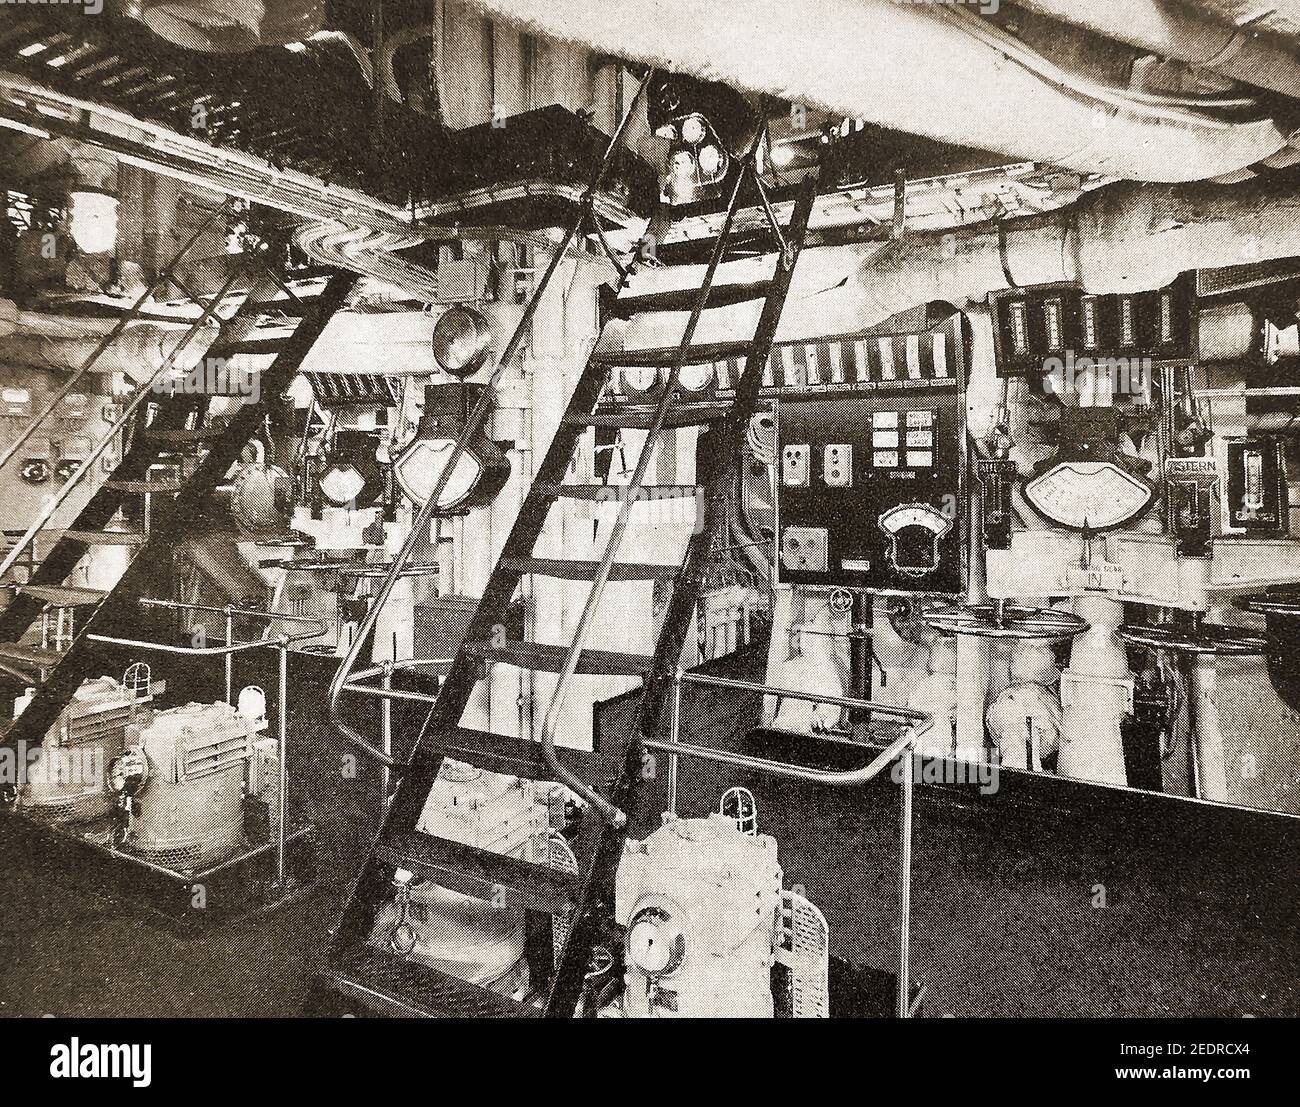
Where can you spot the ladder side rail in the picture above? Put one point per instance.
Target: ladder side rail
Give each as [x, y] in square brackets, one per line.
[723, 454]
[118, 612]
[473, 425]
[163, 278]
[551, 719]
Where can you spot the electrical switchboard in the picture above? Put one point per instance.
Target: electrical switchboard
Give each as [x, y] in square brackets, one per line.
[870, 478]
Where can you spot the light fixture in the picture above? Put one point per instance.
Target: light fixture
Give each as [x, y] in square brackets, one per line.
[781, 155]
[694, 129]
[710, 159]
[462, 342]
[92, 220]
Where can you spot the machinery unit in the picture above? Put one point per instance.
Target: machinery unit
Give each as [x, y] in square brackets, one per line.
[185, 777]
[706, 921]
[871, 464]
[66, 779]
[477, 938]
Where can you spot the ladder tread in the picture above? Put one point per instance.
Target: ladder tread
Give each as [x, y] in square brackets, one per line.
[617, 493]
[575, 569]
[683, 299]
[660, 357]
[545, 658]
[144, 485]
[106, 537]
[640, 418]
[63, 595]
[38, 656]
[499, 753]
[390, 985]
[478, 872]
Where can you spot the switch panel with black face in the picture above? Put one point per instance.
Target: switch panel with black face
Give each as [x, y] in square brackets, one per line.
[870, 491]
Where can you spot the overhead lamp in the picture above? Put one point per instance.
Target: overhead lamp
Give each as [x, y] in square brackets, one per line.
[92, 220]
[462, 342]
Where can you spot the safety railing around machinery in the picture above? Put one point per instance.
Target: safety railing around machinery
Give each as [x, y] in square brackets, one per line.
[474, 423]
[902, 750]
[281, 644]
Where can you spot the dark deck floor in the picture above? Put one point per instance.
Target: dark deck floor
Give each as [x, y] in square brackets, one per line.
[1201, 914]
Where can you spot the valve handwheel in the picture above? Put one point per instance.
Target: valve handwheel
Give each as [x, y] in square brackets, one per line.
[1198, 637]
[1000, 619]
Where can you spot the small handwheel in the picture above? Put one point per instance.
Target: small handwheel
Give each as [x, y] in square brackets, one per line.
[1197, 638]
[1004, 620]
[1283, 604]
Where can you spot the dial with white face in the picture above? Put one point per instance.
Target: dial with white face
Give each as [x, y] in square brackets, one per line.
[640, 378]
[695, 378]
[1096, 494]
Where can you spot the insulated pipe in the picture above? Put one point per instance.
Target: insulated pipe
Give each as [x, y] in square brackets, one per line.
[138, 352]
[1124, 237]
[1201, 33]
[975, 97]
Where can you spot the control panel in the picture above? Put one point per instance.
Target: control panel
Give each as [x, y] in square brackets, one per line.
[870, 491]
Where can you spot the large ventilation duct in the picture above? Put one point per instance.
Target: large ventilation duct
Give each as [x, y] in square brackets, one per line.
[918, 70]
[139, 352]
[1227, 37]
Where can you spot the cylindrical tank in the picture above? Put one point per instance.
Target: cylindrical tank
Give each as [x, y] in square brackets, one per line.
[189, 811]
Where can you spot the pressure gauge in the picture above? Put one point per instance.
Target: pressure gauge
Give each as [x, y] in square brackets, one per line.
[655, 944]
[696, 378]
[1098, 495]
[640, 381]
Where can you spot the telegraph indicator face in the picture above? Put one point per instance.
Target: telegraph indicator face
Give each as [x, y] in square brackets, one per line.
[1095, 494]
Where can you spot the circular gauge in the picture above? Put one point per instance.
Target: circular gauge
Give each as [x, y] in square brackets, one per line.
[655, 944]
[696, 378]
[1098, 495]
[640, 380]
[462, 341]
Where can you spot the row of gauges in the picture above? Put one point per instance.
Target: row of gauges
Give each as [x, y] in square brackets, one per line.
[1033, 325]
[645, 383]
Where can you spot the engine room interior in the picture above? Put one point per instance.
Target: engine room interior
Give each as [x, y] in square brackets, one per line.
[522, 508]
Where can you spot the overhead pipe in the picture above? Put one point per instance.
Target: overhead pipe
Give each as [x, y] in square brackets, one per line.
[1123, 237]
[927, 74]
[1224, 37]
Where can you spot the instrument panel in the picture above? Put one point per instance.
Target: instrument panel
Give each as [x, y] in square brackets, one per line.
[870, 481]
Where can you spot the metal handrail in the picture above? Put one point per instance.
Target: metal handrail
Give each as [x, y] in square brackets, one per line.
[281, 646]
[551, 720]
[474, 423]
[142, 393]
[164, 277]
[902, 747]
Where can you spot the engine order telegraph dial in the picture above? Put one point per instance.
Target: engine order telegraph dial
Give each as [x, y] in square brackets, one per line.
[1089, 483]
[1098, 495]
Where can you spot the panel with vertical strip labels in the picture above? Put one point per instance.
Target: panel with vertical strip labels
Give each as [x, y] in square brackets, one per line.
[870, 472]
